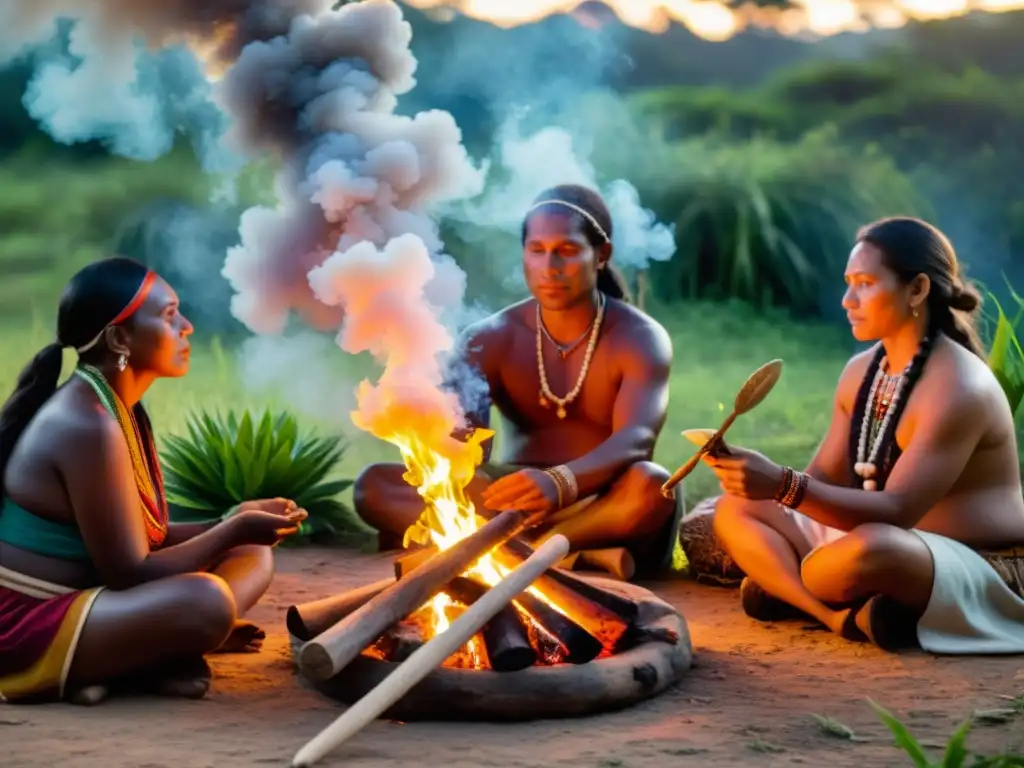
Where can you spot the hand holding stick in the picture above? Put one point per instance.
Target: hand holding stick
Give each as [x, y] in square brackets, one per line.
[751, 394]
[433, 654]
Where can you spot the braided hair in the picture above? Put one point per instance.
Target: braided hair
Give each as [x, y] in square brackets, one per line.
[595, 224]
[910, 248]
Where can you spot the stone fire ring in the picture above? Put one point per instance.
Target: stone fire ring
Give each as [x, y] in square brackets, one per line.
[539, 692]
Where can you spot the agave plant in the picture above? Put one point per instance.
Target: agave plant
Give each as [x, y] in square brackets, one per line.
[226, 460]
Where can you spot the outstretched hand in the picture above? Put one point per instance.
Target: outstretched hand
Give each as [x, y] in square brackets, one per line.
[278, 506]
[745, 473]
[528, 490]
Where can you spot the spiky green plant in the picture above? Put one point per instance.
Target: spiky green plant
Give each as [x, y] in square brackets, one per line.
[225, 460]
[1005, 356]
[956, 754]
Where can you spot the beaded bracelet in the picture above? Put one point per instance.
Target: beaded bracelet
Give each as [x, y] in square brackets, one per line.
[565, 482]
[785, 485]
[801, 488]
[793, 487]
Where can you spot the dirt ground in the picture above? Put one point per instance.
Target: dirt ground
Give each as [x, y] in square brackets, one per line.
[749, 700]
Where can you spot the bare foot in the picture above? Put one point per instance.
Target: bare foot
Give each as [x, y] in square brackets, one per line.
[887, 624]
[246, 637]
[89, 696]
[844, 623]
[185, 679]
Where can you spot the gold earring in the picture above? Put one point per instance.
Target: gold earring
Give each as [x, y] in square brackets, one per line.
[122, 362]
[915, 311]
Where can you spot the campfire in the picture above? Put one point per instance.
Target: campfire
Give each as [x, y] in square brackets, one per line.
[453, 558]
[475, 623]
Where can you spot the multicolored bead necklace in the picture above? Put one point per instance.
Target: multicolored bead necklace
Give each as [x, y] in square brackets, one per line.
[145, 465]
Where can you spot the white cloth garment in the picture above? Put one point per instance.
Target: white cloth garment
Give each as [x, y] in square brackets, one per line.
[971, 610]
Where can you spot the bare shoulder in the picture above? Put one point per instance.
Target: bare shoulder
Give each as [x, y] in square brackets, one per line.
[495, 327]
[82, 433]
[965, 383]
[637, 335]
[852, 377]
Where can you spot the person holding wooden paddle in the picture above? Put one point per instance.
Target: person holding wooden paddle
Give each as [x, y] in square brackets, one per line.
[907, 528]
[580, 378]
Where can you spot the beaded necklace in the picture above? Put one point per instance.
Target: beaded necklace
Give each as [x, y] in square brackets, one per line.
[886, 391]
[882, 404]
[546, 395]
[146, 467]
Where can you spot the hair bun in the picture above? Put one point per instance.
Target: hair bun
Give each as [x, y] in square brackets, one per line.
[965, 298]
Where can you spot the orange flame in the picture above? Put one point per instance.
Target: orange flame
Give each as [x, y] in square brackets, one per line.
[716, 21]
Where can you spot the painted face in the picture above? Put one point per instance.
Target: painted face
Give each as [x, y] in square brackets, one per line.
[877, 303]
[158, 336]
[559, 263]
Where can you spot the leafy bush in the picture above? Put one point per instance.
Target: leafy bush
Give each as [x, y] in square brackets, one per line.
[770, 223]
[227, 460]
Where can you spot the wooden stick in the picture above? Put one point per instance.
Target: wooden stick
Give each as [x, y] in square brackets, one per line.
[615, 560]
[409, 561]
[329, 652]
[431, 655]
[307, 620]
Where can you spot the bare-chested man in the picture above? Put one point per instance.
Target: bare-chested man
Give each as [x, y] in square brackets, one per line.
[917, 475]
[580, 379]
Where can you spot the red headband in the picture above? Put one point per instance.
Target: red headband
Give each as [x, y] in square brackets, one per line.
[130, 309]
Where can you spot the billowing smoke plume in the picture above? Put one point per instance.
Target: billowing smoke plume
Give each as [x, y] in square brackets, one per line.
[118, 71]
[552, 156]
[323, 97]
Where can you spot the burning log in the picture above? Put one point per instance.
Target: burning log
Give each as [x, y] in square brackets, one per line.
[515, 551]
[602, 614]
[329, 652]
[399, 643]
[505, 636]
[307, 620]
[578, 644]
[420, 664]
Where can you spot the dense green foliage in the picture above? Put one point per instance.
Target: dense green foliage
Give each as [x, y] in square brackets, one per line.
[952, 136]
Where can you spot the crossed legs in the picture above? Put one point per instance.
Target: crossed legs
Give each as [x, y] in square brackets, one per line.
[832, 582]
[162, 629]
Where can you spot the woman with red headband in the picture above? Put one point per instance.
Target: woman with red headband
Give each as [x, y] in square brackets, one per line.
[96, 584]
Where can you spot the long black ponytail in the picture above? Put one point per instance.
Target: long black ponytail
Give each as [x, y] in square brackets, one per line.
[92, 298]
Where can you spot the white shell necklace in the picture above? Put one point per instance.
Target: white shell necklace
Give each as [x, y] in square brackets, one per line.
[546, 395]
[867, 462]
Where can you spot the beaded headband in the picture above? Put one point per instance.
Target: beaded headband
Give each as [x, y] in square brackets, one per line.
[128, 311]
[582, 212]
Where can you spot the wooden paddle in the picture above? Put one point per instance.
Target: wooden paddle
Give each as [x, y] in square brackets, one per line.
[751, 394]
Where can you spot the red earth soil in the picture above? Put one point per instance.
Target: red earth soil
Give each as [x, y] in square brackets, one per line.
[749, 701]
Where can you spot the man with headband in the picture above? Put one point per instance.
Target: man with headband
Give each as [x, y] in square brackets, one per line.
[580, 379]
